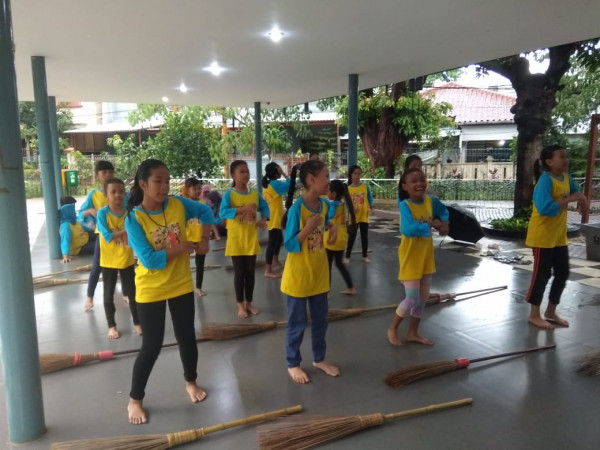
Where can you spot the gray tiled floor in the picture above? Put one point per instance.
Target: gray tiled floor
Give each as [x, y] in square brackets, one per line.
[531, 402]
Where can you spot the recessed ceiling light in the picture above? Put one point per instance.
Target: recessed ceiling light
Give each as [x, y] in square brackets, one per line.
[275, 34]
[165, 99]
[215, 69]
[183, 88]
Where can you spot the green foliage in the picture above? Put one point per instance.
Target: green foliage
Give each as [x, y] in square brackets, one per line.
[420, 117]
[366, 167]
[146, 112]
[519, 222]
[276, 139]
[77, 161]
[64, 119]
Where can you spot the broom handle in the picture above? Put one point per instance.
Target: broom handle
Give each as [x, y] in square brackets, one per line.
[252, 419]
[518, 352]
[482, 290]
[492, 291]
[429, 409]
[76, 269]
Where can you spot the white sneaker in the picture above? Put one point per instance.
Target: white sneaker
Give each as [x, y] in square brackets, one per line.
[346, 260]
[366, 260]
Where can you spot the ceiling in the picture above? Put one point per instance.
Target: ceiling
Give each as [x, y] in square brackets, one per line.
[142, 50]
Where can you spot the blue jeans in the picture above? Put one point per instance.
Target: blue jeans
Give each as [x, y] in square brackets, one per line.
[296, 323]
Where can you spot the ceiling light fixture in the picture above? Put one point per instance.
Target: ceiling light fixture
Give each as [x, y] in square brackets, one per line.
[215, 69]
[165, 99]
[183, 88]
[275, 34]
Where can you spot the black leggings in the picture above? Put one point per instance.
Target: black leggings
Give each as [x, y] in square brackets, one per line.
[339, 263]
[109, 281]
[545, 261]
[364, 239]
[152, 319]
[274, 245]
[95, 271]
[243, 279]
[199, 270]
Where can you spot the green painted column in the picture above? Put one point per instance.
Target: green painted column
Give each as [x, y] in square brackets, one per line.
[40, 93]
[18, 333]
[352, 119]
[258, 145]
[55, 147]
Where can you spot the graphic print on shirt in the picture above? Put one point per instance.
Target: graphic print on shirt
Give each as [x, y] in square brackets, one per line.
[315, 240]
[166, 237]
[358, 199]
[123, 240]
[248, 217]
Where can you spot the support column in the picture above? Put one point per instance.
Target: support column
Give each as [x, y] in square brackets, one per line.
[258, 145]
[18, 333]
[352, 119]
[38, 66]
[55, 147]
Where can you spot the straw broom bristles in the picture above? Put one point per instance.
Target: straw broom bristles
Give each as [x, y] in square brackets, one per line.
[590, 364]
[165, 441]
[224, 331]
[49, 282]
[306, 432]
[339, 314]
[53, 362]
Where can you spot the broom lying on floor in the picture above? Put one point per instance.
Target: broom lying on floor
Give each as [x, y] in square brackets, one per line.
[435, 298]
[401, 377]
[86, 268]
[306, 432]
[164, 441]
[590, 364]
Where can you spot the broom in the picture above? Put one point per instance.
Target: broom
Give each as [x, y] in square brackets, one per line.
[164, 441]
[49, 282]
[307, 432]
[401, 377]
[590, 364]
[224, 331]
[435, 298]
[86, 268]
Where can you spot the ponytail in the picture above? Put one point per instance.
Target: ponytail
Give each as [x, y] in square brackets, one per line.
[540, 166]
[402, 194]
[289, 200]
[271, 173]
[349, 205]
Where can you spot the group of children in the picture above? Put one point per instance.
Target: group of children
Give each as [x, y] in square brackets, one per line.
[315, 230]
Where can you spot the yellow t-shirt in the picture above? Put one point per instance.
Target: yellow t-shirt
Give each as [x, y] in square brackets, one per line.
[306, 271]
[548, 227]
[113, 254]
[193, 228]
[161, 230]
[242, 235]
[339, 220]
[79, 237]
[360, 201]
[275, 202]
[415, 253]
[99, 200]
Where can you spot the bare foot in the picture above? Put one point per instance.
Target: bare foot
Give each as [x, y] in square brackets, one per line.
[417, 338]
[138, 329]
[251, 309]
[556, 319]
[137, 415]
[196, 393]
[540, 323]
[327, 368]
[392, 335]
[349, 291]
[126, 300]
[113, 333]
[272, 274]
[200, 292]
[242, 313]
[89, 304]
[298, 375]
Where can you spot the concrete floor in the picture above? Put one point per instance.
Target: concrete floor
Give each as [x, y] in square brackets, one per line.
[531, 402]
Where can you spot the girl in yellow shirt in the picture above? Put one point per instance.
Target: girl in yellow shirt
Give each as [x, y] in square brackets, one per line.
[116, 257]
[240, 206]
[156, 230]
[305, 275]
[362, 201]
[273, 189]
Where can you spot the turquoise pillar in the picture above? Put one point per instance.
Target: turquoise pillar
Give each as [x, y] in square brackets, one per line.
[18, 333]
[55, 147]
[40, 93]
[258, 145]
[352, 119]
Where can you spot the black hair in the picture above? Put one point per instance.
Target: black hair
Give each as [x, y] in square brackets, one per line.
[409, 159]
[402, 194]
[311, 154]
[540, 165]
[312, 167]
[103, 165]
[351, 171]
[113, 181]
[143, 173]
[271, 173]
[340, 189]
[188, 183]
[67, 200]
[234, 165]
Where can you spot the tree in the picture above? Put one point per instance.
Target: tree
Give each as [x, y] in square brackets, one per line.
[536, 99]
[29, 136]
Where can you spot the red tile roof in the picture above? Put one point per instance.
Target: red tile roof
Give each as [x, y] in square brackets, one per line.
[474, 105]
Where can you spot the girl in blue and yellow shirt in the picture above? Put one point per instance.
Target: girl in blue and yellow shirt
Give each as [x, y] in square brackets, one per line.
[273, 189]
[116, 257]
[419, 213]
[305, 275]
[240, 206]
[156, 229]
[362, 201]
[547, 233]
